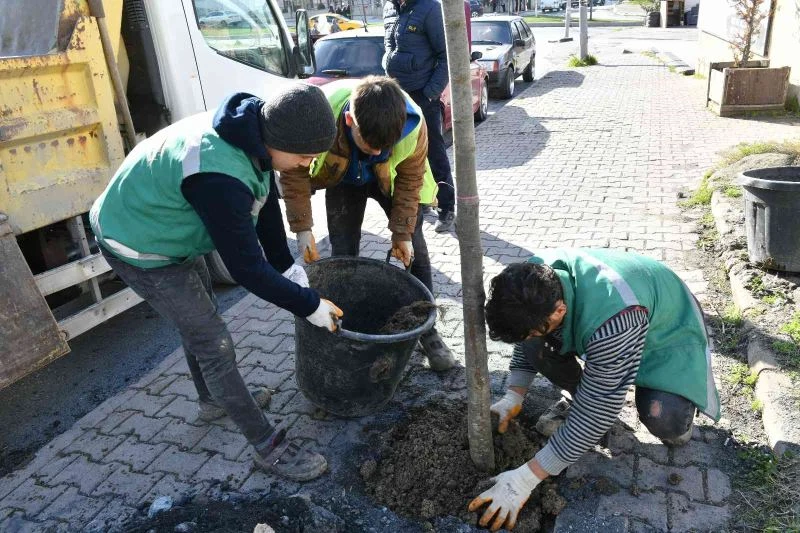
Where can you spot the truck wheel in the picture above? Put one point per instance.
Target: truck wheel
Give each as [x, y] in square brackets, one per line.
[528, 73]
[507, 90]
[218, 270]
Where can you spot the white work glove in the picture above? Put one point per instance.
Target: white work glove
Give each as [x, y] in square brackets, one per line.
[511, 490]
[507, 408]
[297, 274]
[325, 316]
[307, 246]
[404, 251]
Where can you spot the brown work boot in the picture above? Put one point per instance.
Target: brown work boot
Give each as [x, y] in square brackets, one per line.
[440, 358]
[208, 411]
[551, 419]
[289, 458]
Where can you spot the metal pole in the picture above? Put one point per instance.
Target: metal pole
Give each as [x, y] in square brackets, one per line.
[96, 9]
[566, 21]
[584, 31]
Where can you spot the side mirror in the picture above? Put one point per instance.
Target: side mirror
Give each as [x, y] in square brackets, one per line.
[304, 58]
[519, 42]
[476, 56]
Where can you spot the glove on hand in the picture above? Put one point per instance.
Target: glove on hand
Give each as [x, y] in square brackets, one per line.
[307, 246]
[325, 316]
[507, 408]
[404, 251]
[511, 490]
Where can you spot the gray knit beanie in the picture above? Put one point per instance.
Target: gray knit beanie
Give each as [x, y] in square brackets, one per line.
[298, 119]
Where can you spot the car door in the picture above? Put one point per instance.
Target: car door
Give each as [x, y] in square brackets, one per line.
[517, 47]
[524, 52]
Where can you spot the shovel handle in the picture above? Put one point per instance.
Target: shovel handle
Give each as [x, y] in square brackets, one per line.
[389, 256]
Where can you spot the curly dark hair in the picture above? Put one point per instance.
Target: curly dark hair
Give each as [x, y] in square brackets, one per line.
[521, 299]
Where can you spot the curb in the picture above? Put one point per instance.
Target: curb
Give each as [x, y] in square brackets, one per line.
[772, 382]
[676, 63]
[592, 24]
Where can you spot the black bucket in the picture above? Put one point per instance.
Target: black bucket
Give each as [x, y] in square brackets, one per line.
[772, 202]
[356, 370]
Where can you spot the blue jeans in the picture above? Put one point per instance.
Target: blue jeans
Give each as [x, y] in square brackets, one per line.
[183, 295]
[437, 151]
[345, 205]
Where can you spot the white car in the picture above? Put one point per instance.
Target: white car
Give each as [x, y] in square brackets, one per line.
[220, 18]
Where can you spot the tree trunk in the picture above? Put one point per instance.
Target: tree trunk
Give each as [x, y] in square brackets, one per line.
[469, 237]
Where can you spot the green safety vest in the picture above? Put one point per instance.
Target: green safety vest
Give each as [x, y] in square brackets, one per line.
[598, 284]
[338, 94]
[143, 218]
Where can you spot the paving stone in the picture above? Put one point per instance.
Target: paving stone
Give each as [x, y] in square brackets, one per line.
[719, 485]
[84, 475]
[694, 452]
[233, 473]
[73, 507]
[281, 399]
[180, 408]
[649, 507]
[94, 445]
[157, 385]
[618, 469]
[299, 404]
[320, 431]
[183, 387]
[142, 426]
[654, 476]
[114, 419]
[182, 464]
[146, 403]
[260, 377]
[17, 523]
[691, 516]
[128, 485]
[53, 468]
[111, 518]
[259, 482]
[179, 432]
[136, 454]
[224, 442]
[621, 440]
[170, 486]
[569, 521]
[31, 497]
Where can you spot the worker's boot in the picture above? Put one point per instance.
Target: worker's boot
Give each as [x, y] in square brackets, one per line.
[440, 358]
[551, 419]
[289, 458]
[208, 411]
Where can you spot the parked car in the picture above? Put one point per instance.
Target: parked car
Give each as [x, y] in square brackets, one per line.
[475, 8]
[508, 50]
[549, 5]
[327, 23]
[358, 53]
[220, 19]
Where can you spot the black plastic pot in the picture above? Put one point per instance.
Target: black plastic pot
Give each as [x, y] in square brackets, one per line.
[356, 370]
[772, 204]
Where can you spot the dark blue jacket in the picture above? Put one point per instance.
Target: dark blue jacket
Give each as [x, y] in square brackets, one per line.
[416, 53]
[224, 205]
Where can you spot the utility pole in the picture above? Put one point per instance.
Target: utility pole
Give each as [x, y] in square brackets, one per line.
[566, 22]
[584, 31]
[479, 423]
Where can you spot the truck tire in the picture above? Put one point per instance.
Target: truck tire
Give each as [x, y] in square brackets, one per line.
[218, 270]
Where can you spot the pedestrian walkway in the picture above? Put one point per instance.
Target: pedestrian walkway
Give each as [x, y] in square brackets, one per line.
[590, 157]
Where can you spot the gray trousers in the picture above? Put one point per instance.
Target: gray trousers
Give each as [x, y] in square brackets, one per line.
[183, 295]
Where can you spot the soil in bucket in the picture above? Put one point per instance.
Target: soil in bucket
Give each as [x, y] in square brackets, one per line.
[425, 470]
[408, 317]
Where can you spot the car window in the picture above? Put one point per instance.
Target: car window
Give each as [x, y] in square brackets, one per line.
[352, 58]
[515, 31]
[243, 30]
[524, 29]
[490, 32]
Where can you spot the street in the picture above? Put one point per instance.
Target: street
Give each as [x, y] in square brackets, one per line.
[579, 157]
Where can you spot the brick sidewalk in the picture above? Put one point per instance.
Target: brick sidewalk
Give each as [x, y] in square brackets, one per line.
[591, 157]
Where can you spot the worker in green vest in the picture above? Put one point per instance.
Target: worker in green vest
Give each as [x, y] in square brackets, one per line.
[206, 183]
[632, 320]
[380, 152]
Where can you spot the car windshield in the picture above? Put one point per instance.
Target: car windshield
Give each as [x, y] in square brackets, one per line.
[353, 58]
[490, 32]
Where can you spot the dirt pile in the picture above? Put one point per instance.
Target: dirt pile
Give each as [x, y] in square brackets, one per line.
[408, 317]
[425, 470]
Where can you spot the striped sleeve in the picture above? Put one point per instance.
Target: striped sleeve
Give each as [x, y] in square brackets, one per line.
[613, 355]
[521, 371]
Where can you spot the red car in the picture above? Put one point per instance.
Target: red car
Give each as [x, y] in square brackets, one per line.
[358, 53]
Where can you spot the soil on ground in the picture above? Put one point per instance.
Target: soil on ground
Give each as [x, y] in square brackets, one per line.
[408, 317]
[426, 471]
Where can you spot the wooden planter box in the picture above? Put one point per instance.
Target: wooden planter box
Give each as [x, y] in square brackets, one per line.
[754, 87]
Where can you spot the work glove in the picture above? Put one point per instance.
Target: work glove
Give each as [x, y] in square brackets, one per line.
[307, 246]
[404, 251]
[511, 490]
[297, 274]
[326, 315]
[507, 408]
